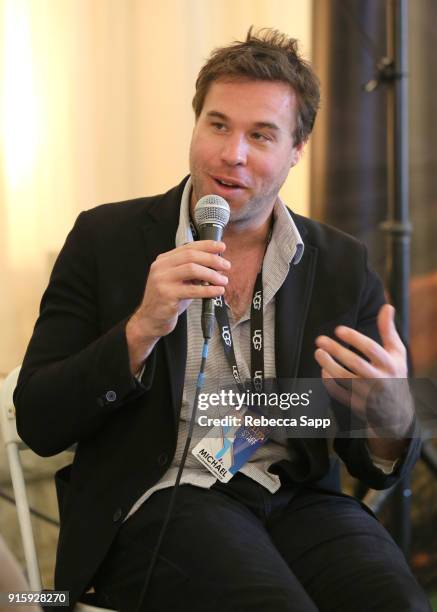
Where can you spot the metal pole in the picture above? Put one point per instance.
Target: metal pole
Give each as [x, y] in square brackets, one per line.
[397, 226]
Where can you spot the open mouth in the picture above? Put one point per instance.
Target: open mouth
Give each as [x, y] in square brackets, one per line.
[227, 184]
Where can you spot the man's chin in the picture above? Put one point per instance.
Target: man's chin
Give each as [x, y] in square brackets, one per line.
[240, 215]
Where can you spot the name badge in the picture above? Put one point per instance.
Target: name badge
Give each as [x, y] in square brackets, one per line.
[225, 449]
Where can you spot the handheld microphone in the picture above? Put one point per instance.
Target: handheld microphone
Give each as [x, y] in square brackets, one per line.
[211, 214]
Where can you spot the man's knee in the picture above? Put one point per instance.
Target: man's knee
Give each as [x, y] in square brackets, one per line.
[387, 591]
[404, 595]
[259, 598]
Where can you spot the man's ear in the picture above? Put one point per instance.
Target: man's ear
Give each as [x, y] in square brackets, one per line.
[297, 153]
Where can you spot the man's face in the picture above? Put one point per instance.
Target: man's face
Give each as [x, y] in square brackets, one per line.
[242, 146]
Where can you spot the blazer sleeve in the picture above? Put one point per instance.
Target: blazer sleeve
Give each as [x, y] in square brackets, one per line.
[73, 376]
[353, 451]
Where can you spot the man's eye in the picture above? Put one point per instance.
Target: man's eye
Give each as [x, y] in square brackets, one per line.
[219, 126]
[260, 137]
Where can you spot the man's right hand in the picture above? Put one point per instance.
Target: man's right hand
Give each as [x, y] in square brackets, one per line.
[175, 279]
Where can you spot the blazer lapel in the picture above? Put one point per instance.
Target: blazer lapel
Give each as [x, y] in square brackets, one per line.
[292, 304]
[159, 235]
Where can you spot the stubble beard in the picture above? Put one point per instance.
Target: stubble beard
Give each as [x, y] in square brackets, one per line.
[250, 209]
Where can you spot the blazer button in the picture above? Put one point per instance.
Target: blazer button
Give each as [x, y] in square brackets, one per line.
[117, 515]
[111, 396]
[163, 459]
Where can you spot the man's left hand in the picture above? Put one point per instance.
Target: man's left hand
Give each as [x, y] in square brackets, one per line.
[375, 386]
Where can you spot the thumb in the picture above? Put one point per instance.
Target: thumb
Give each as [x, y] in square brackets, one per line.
[386, 327]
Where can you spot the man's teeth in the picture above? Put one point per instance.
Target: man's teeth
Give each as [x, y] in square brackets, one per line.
[227, 184]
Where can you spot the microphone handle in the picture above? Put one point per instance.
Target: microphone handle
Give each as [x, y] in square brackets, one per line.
[209, 231]
[208, 318]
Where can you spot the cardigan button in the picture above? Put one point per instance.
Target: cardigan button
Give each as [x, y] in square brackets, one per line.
[117, 515]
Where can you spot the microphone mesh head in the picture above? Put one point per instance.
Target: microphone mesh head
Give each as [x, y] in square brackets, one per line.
[212, 209]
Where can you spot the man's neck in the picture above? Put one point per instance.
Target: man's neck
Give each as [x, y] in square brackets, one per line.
[243, 234]
[247, 238]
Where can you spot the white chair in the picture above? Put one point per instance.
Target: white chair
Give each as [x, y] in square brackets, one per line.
[13, 446]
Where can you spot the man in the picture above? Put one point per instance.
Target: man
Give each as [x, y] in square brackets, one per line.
[110, 366]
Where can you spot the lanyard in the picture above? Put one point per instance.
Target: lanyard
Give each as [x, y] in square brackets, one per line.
[256, 333]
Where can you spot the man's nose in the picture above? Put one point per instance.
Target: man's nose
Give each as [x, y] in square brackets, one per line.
[234, 151]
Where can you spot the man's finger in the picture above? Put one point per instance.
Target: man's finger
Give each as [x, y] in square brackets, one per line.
[346, 357]
[193, 272]
[332, 368]
[374, 352]
[207, 246]
[387, 329]
[335, 390]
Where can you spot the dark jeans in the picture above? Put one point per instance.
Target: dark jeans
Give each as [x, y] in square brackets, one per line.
[237, 548]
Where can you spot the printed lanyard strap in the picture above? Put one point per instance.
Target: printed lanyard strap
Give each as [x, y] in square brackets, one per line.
[256, 335]
[256, 331]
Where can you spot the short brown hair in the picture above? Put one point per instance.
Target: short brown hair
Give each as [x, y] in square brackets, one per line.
[267, 55]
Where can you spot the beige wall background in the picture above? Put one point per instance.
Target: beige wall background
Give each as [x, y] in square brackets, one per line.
[95, 106]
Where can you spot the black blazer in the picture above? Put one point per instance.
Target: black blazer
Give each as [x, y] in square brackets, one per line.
[75, 385]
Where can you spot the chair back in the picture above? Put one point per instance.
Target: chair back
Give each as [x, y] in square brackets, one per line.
[7, 412]
[13, 445]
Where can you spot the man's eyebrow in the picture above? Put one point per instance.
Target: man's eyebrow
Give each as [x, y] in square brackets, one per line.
[266, 124]
[215, 114]
[259, 124]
